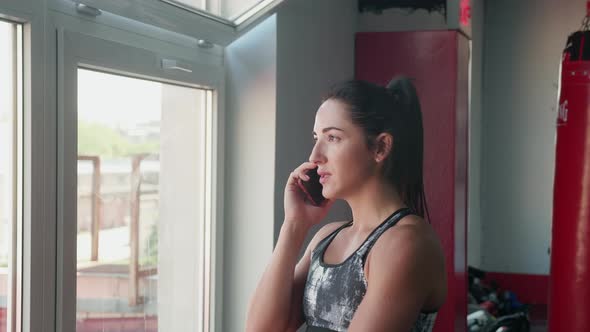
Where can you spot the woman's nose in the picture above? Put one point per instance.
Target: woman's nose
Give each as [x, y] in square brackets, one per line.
[317, 156]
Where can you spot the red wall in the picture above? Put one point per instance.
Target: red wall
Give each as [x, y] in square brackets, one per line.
[529, 288]
[438, 63]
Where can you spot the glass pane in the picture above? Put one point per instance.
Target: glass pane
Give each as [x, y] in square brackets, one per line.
[227, 9]
[141, 204]
[9, 176]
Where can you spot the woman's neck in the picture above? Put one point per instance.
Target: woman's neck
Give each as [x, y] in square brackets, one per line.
[374, 202]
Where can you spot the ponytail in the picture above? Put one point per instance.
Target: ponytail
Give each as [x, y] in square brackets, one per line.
[409, 175]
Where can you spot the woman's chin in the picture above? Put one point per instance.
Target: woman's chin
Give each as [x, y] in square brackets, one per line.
[328, 194]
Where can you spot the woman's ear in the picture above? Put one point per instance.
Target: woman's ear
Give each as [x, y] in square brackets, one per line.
[383, 146]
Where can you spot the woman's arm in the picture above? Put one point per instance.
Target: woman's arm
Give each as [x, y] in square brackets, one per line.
[270, 307]
[277, 304]
[281, 285]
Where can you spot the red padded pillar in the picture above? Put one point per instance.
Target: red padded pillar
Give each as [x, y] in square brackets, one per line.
[438, 61]
[569, 285]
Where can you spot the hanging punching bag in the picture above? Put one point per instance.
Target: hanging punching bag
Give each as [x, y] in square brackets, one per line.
[569, 286]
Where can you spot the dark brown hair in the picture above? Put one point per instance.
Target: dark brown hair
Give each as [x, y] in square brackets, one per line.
[394, 109]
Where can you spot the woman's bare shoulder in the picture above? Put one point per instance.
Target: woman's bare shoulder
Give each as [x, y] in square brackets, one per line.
[415, 239]
[412, 252]
[412, 232]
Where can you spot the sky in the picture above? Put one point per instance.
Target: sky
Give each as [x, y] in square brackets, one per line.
[115, 100]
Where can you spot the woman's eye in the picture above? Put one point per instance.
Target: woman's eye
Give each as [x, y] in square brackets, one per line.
[332, 138]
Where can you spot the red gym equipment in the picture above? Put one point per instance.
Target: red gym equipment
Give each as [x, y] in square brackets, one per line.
[569, 285]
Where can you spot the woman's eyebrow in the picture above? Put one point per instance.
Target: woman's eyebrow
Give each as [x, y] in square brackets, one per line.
[328, 129]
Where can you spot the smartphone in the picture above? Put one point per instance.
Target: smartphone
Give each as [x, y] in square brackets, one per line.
[312, 188]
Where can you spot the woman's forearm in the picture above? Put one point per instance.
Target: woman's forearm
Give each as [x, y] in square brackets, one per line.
[270, 305]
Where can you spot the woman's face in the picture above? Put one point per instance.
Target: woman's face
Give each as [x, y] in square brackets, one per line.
[341, 153]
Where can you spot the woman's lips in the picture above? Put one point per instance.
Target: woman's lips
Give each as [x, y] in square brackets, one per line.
[323, 177]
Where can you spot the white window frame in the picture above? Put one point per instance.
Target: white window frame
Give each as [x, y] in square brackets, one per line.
[37, 277]
[41, 19]
[263, 7]
[174, 16]
[20, 9]
[14, 277]
[77, 49]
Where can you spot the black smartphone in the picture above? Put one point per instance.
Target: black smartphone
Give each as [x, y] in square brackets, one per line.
[312, 188]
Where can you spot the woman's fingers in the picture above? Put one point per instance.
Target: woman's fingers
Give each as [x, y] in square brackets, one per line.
[303, 168]
[299, 172]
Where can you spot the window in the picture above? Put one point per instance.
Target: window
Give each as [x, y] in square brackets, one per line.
[143, 233]
[235, 11]
[10, 174]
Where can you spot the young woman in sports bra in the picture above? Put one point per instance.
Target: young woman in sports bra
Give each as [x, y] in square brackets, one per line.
[383, 270]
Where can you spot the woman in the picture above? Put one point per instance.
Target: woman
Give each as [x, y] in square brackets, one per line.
[382, 271]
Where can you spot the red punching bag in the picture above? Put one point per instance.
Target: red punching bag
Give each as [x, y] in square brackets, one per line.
[569, 286]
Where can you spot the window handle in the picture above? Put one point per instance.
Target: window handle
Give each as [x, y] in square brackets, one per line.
[87, 10]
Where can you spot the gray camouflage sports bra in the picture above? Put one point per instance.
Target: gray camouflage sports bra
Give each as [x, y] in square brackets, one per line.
[333, 292]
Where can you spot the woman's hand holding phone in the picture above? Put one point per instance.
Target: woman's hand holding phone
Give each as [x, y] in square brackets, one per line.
[300, 199]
